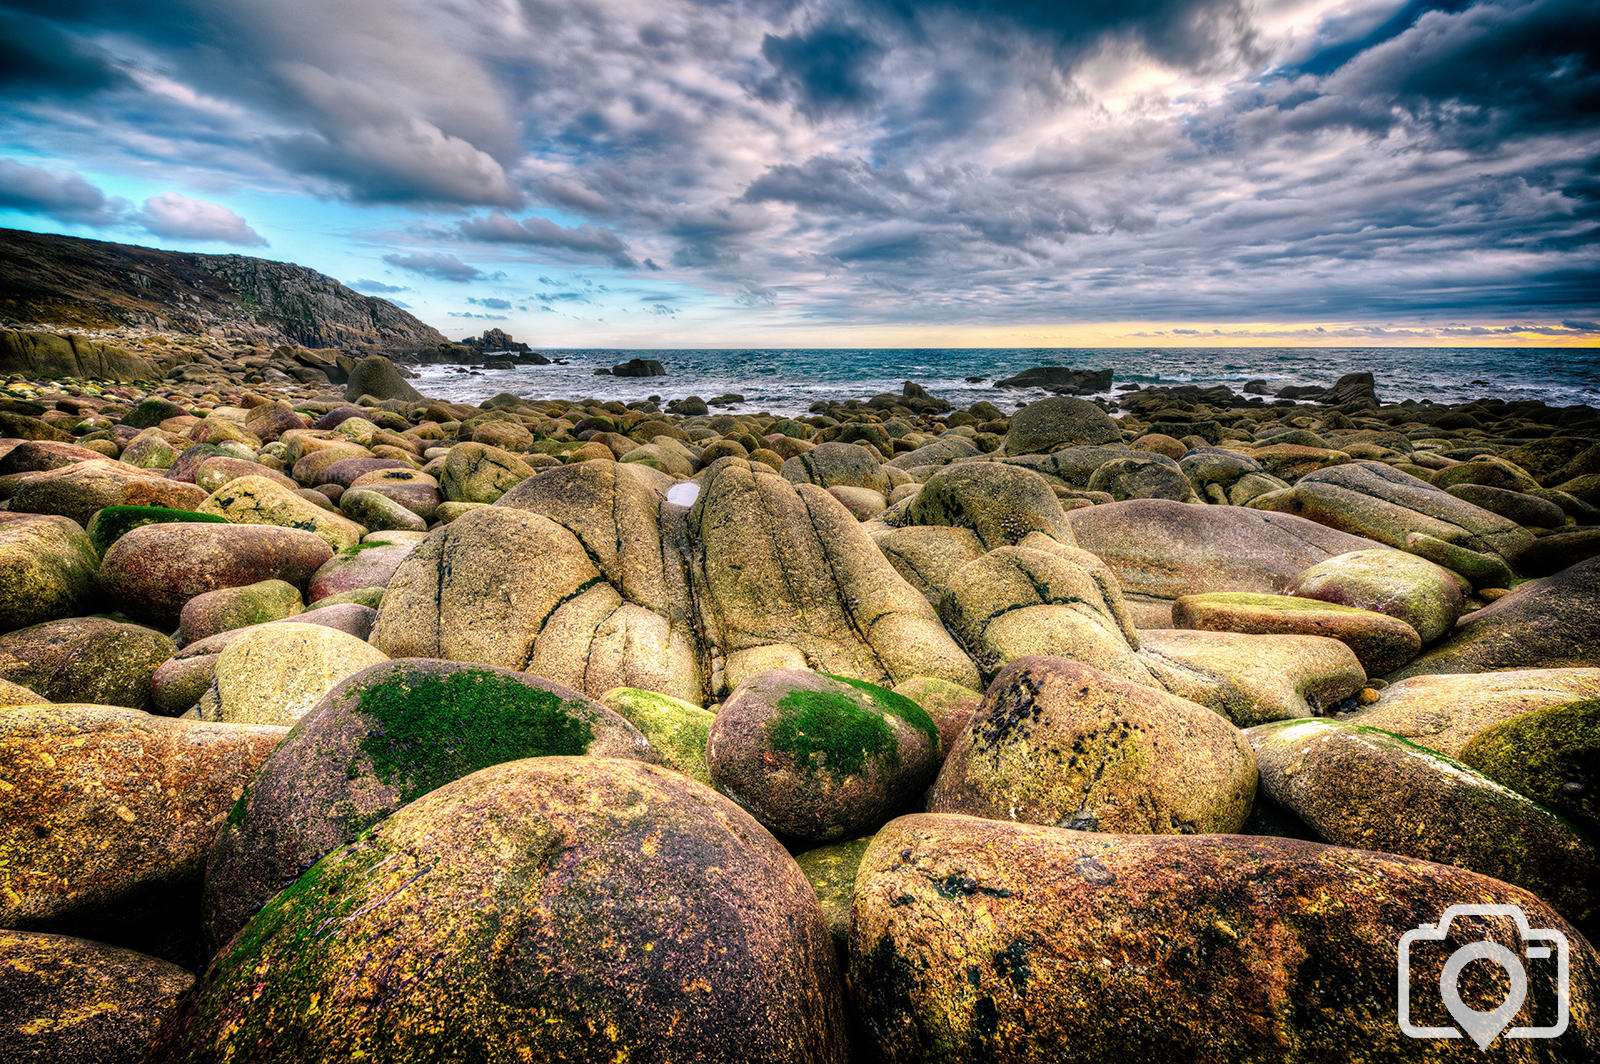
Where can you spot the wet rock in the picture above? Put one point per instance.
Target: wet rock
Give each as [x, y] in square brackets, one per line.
[831, 871]
[276, 673]
[1551, 623]
[1062, 380]
[228, 608]
[1161, 550]
[543, 950]
[819, 758]
[85, 659]
[1551, 755]
[1446, 712]
[47, 570]
[152, 571]
[72, 1001]
[1057, 742]
[1358, 786]
[1423, 595]
[1252, 679]
[380, 739]
[973, 940]
[1050, 424]
[1381, 643]
[108, 817]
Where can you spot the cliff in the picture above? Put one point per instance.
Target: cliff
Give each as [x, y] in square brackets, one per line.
[70, 282]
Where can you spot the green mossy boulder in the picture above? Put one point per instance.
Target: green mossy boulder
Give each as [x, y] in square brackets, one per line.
[113, 522]
[677, 731]
[552, 908]
[228, 608]
[260, 501]
[817, 757]
[1552, 755]
[380, 739]
[1446, 712]
[1404, 586]
[1380, 642]
[1358, 786]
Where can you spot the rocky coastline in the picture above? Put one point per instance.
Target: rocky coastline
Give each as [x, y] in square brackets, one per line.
[338, 720]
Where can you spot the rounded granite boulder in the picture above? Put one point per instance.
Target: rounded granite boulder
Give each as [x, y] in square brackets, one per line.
[153, 570]
[1061, 421]
[47, 570]
[1552, 755]
[228, 608]
[1381, 642]
[86, 659]
[979, 941]
[71, 1001]
[276, 673]
[818, 757]
[1357, 786]
[552, 908]
[384, 737]
[1411, 589]
[1058, 742]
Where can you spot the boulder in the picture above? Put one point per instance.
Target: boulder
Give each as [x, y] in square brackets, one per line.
[36, 456]
[1049, 424]
[975, 940]
[1551, 755]
[1380, 642]
[831, 464]
[228, 608]
[831, 870]
[628, 911]
[1549, 623]
[153, 570]
[77, 490]
[380, 739]
[415, 490]
[999, 504]
[476, 472]
[1062, 380]
[819, 758]
[14, 694]
[378, 512]
[1143, 476]
[260, 501]
[1526, 510]
[1446, 712]
[949, 704]
[47, 570]
[85, 659]
[1160, 550]
[378, 377]
[371, 563]
[113, 522]
[1382, 503]
[276, 673]
[1057, 742]
[1252, 679]
[54, 355]
[1358, 786]
[107, 818]
[639, 367]
[1414, 590]
[72, 1001]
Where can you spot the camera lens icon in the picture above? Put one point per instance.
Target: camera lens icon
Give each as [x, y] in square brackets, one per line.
[1483, 1027]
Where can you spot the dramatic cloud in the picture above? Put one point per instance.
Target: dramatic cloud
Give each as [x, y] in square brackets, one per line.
[180, 217]
[499, 228]
[64, 196]
[438, 265]
[866, 162]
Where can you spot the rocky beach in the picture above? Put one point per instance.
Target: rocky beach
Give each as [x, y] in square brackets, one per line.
[345, 722]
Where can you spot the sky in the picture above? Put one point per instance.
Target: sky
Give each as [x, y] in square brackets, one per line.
[845, 173]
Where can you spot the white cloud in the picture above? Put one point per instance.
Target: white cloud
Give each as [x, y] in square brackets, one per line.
[176, 216]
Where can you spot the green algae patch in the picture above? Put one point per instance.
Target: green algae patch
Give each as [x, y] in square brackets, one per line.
[677, 730]
[895, 705]
[431, 729]
[820, 729]
[356, 548]
[1551, 755]
[113, 522]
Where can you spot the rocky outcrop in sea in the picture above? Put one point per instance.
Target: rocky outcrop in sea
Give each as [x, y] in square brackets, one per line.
[341, 721]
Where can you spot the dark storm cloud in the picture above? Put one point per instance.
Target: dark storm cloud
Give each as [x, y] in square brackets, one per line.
[61, 195]
[36, 57]
[499, 228]
[437, 265]
[824, 70]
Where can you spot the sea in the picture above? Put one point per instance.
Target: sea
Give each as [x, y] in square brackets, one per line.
[786, 382]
